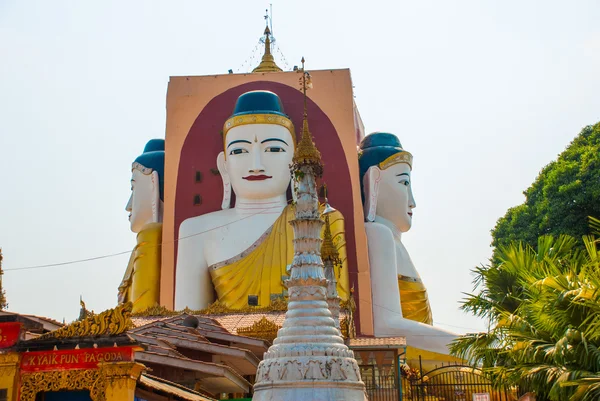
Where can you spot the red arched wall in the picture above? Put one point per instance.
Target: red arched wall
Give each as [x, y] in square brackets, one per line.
[204, 142]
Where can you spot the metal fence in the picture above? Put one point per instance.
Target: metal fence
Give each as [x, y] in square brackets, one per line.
[448, 383]
[453, 383]
[381, 382]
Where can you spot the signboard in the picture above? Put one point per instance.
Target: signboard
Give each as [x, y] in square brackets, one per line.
[9, 334]
[74, 359]
[481, 397]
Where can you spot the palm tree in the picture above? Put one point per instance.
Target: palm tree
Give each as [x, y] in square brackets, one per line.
[543, 309]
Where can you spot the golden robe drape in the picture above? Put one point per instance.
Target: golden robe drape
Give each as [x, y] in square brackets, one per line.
[262, 268]
[141, 282]
[414, 300]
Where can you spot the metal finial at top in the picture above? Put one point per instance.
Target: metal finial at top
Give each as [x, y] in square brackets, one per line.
[306, 152]
[267, 63]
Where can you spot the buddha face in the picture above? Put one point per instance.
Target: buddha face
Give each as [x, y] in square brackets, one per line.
[395, 201]
[142, 203]
[257, 160]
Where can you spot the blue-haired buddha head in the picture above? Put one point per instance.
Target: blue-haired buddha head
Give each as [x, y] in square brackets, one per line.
[145, 205]
[258, 146]
[385, 175]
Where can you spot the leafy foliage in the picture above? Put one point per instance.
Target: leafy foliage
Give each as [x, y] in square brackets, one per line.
[565, 192]
[543, 307]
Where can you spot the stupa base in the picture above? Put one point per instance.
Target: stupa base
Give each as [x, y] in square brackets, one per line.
[309, 391]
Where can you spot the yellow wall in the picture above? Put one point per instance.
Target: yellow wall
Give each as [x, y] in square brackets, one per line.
[332, 92]
[9, 364]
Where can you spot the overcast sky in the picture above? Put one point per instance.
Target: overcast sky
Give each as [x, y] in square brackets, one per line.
[483, 93]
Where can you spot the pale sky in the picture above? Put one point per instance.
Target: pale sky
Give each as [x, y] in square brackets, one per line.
[483, 93]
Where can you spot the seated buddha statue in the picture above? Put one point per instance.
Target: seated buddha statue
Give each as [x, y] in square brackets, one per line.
[141, 281]
[400, 303]
[242, 252]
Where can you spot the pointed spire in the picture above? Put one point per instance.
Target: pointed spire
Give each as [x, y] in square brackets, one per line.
[306, 152]
[267, 63]
[328, 250]
[3, 303]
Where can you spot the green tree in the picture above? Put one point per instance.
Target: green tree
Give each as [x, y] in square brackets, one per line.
[543, 309]
[565, 192]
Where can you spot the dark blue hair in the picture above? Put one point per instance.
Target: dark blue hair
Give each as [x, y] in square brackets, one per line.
[373, 149]
[154, 158]
[259, 102]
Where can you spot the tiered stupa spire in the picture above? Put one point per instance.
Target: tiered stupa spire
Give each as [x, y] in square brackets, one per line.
[331, 257]
[308, 360]
[267, 63]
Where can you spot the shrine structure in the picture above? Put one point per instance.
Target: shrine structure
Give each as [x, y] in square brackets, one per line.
[233, 233]
[224, 200]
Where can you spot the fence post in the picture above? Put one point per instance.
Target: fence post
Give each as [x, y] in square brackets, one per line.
[421, 384]
[399, 374]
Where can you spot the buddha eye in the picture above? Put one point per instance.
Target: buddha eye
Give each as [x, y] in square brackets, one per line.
[275, 149]
[238, 151]
[406, 183]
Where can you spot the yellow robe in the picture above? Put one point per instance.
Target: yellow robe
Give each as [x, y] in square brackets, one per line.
[262, 268]
[414, 300]
[141, 282]
[415, 306]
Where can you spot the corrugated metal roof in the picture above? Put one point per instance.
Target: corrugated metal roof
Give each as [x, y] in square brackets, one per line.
[165, 386]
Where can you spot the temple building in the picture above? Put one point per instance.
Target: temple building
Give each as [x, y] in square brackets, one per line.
[230, 232]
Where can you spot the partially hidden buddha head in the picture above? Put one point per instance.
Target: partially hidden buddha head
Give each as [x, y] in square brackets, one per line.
[259, 143]
[145, 205]
[385, 174]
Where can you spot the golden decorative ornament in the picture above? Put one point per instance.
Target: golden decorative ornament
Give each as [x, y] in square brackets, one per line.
[267, 64]
[218, 308]
[348, 305]
[156, 310]
[347, 323]
[9, 358]
[247, 119]
[84, 379]
[263, 329]
[9, 364]
[306, 152]
[108, 323]
[402, 157]
[329, 251]
[344, 323]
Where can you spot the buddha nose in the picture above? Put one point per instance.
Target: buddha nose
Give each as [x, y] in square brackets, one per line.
[257, 166]
[411, 199]
[129, 202]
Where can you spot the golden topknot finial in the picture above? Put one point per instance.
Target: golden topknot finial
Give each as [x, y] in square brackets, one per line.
[267, 63]
[306, 151]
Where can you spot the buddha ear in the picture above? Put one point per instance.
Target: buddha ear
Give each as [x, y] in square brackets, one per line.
[156, 213]
[226, 204]
[371, 181]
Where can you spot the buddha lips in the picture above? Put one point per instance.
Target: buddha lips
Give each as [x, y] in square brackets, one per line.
[257, 177]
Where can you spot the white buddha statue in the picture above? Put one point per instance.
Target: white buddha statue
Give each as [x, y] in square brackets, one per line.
[141, 282]
[400, 303]
[244, 250]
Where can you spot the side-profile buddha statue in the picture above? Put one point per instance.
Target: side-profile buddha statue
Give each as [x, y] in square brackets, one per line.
[141, 282]
[400, 303]
[242, 252]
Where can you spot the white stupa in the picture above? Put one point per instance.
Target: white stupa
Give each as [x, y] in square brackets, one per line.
[308, 360]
